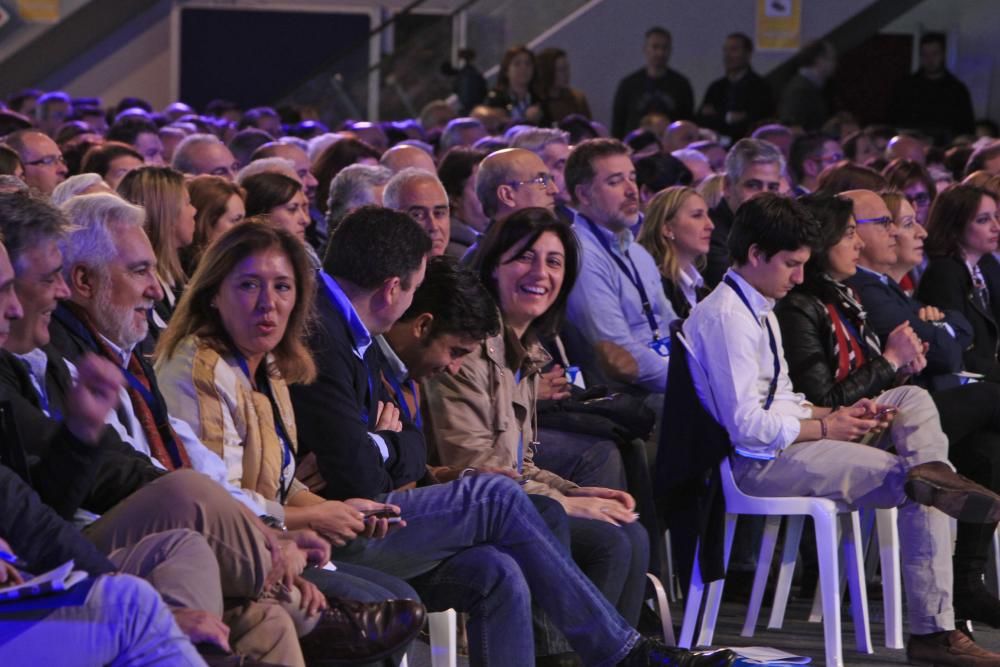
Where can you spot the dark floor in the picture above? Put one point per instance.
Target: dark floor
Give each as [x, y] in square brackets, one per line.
[798, 636]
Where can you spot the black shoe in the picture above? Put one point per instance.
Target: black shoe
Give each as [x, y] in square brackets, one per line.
[359, 632]
[559, 660]
[651, 653]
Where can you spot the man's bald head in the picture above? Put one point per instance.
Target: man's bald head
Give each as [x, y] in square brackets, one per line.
[680, 134]
[875, 229]
[298, 157]
[505, 183]
[907, 148]
[404, 156]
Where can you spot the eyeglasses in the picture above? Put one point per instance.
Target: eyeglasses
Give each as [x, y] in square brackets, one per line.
[47, 161]
[882, 222]
[919, 199]
[542, 181]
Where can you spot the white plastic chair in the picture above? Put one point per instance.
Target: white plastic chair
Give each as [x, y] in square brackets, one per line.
[443, 627]
[827, 517]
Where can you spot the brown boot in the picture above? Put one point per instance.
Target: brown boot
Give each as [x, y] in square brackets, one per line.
[944, 649]
[936, 485]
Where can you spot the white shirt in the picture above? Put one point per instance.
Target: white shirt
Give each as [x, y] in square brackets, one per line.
[690, 280]
[731, 346]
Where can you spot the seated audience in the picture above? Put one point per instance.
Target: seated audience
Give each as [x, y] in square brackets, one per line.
[421, 196]
[811, 154]
[300, 162]
[10, 162]
[457, 173]
[776, 134]
[912, 179]
[245, 142]
[111, 161]
[169, 223]
[835, 359]
[906, 147]
[220, 206]
[785, 446]
[695, 161]
[460, 132]
[355, 186]
[41, 159]
[618, 297]
[558, 97]
[81, 184]
[985, 158]
[962, 231]
[485, 414]
[677, 231]
[910, 236]
[552, 146]
[845, 176]
[657, 172]
[202, 153]
[143, 136]
[402, 156]
[680, 134]
[752, 166]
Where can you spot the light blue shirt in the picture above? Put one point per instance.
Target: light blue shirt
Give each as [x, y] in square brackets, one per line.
[362, 340]
[605, 306]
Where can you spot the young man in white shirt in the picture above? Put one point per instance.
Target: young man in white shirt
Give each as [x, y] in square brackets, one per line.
[785, 446]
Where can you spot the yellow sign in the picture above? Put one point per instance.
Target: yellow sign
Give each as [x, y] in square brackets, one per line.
[39, 11]
[779, 25]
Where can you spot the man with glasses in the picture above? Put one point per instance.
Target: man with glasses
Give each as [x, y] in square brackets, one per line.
[810, 155]
[947, 334]
[618, 297]
[44, 166]
[421, 196]
[752, 166]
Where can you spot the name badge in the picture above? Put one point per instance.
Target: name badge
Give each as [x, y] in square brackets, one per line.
[575, 377]
[661, 346]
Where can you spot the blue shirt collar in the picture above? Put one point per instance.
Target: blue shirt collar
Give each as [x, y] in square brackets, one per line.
[619, 242]
[395, 364]
[362, 338]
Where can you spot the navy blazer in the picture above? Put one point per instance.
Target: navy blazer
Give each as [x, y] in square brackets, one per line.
[888, 306]
[947, 284]
[330, 415]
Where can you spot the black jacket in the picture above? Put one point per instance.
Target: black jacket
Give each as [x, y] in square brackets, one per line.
[37, 534]
[888, 306]
[808, 341]
[677, 299]
[947, 284]
[118, 472]
[940, 107]
[330, 415]
[750, 95]
[637, 95]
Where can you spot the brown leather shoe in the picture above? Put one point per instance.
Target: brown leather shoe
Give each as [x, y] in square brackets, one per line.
[356, 632]
[937, 485]
[949, 648]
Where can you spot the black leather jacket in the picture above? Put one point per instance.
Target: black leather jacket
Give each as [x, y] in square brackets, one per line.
[808, 340]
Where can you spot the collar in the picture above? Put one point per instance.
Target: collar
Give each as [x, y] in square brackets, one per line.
[37, 361]
[691, 278]
[359, 332]
[881, 276]
[396, 365]
[620, 241]
[759, 304]
[122, 354]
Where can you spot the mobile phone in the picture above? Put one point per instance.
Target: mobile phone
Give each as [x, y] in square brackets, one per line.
[381, 513]
[394, 519]
[885, 412]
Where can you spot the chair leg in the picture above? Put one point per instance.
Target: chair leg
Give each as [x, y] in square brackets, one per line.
[829, 580]
[772, 524]
[673, 587]
[714, 598]
[443, 630]
[892, 597]
[854, 569]
[663, 607]
[789, 554]
[692, 606]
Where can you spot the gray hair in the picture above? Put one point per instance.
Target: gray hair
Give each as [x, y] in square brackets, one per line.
[27, 221]
[352, 188]
[182, 154]
[319, 143]
[394, 188]
[299, 142]
[537, 138]
[450, 136]
[746, 152]
[73, 186]
[264, 165]
[10, 183]
[96, 218]
[692, 154]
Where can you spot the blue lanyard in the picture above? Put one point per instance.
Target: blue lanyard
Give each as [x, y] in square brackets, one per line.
[397, 389]
[632, 275]
[773, 388]
[520, 442]
[365, 410]
[43, 395]
[279, 424]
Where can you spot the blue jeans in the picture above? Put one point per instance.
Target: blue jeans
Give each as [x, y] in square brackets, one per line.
[510, 557]
[581, 458]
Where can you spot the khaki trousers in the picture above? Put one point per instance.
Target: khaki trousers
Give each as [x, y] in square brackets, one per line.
[868, 476]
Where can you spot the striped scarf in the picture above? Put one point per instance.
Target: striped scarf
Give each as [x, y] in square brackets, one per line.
[853, 341]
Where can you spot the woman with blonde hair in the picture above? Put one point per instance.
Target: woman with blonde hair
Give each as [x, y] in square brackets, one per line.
[220, 206]
[677, 231]
[169, 225]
